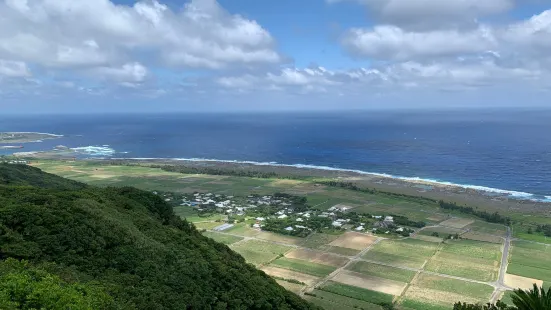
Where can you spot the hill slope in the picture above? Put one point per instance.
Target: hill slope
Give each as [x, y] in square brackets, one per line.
[122, 248]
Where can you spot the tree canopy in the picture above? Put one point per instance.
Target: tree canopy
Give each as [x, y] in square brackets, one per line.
[115, 248]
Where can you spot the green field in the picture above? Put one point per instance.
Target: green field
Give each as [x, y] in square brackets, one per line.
[467, 258]
[339, 250]
[382, 271]
[259, 252]
[302, 266]
[441, 231]
[225, 239]
[408, 252]
[488, 228]
[242, 229]
[317, 240]
[357, 293]
[335, 301]
[470, 289]
[531, 260]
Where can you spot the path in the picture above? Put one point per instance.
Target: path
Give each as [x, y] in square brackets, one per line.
[500, 284]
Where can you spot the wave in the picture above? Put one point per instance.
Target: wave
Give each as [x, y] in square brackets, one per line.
[94, 150]
[507, 193]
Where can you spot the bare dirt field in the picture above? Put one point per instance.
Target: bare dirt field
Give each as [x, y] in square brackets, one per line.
[317, 257]
[353, 240]
[457, 222]
[288, 274]
[371, 283]
[515, 281]
[293, 287]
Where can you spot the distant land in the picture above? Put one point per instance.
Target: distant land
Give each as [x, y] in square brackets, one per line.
[25, 137]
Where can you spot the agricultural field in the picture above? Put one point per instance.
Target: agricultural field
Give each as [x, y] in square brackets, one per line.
[329, 300]
[317, 240]
[282, 273]
[242, 229]
[259, 252]
[353, 240]
[441, 231]
[317, 257]
[357, 293]
[293, 287]
[488, 228]
[457, 223]
[381, 271]
[371, 283]
[410, 253]
[467, 258]
[225, 239]
[302, 266]
[439, 292]
[531, 260]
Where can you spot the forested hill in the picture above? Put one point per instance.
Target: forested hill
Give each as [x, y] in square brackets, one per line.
[65, 245]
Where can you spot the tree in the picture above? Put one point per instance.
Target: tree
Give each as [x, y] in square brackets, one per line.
[535, 299]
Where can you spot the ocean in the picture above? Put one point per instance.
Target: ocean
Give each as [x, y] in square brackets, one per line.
[494, 150]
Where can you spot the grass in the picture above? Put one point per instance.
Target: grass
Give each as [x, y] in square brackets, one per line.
[488, 228]
[442, 231]
[470, 289]
[382, 271]
[475, 249]
[225, 239]
[242, 229]
[302, 266]
[258, 252]
[327, 304]
[357, 293]
[340, 300]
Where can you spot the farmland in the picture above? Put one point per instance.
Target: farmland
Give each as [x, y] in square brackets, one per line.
[341, 268]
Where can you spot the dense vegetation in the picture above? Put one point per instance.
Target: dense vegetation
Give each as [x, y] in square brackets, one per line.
[545, 229]
[488, 217]
[67, 245]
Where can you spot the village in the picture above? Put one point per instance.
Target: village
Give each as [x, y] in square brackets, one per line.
[288, 214]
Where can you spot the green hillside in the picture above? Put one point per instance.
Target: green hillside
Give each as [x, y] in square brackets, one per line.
[65, 245]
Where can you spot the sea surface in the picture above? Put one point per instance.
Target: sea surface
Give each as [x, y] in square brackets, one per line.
[493, 150]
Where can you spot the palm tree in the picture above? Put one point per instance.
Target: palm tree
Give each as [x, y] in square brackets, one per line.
[534, 299]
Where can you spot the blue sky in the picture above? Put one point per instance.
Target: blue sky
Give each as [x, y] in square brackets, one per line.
[231, 55]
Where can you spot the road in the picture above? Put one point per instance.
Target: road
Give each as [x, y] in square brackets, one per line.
[500, 284]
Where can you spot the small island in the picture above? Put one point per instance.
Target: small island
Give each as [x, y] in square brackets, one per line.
[25, 137]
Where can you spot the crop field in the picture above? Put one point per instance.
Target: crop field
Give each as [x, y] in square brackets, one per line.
[381, 271]
[302, 266]
[353, 240]
[335, 301]
[524, 283]
[259, 252]
[482, 237]
[415, 304]
[428, 238]
[372, 283]
[317, 240]
[441, 231]
[408, 252]
[340, 250]
[531, 260]
[456, 222]
[444, 292]
[270, 236]
[206, 225]
[289, 274]
[317, 257]
[469, 259]
[357, 293]
[225, 239]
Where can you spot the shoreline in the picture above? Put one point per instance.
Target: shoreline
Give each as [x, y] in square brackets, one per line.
[415, 180]
[27, 137]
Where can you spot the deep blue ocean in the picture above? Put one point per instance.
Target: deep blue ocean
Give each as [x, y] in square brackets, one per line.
[501, 149]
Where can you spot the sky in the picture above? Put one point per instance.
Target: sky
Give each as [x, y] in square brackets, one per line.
[102, 56]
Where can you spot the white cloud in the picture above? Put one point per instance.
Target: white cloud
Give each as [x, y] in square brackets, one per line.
[532, 35]
[99, 33]
[14, 68]
[128, 73]
[391, 42]
[432, 13]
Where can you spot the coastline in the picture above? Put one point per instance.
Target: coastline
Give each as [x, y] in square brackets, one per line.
[27, 137]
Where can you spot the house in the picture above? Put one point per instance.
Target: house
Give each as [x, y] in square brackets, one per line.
[299, 220]
[282, 216]
[289, 228]
[337, 224]
[260, 219]
[389, 219]
[359, 228]
[256, 225]
[377, 217]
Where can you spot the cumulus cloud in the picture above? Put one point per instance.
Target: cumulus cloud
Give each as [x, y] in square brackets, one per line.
[432, 13]
[99, 33]
[391, 42]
